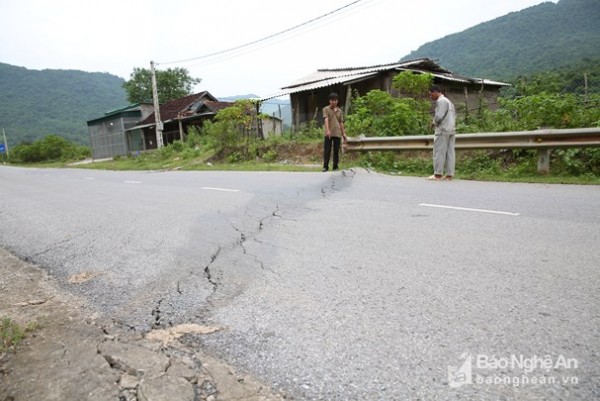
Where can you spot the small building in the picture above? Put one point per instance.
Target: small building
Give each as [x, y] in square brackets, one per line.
[110, 135]
[271, 125]
[309, 94]
[178, 115]
[133, 128]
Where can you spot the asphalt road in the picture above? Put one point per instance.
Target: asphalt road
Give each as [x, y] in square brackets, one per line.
[337, 286]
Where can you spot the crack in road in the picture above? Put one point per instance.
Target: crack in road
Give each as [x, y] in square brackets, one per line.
[227, 271]
[335, 181]
[207, 272]
[156, 314]
[50, 248]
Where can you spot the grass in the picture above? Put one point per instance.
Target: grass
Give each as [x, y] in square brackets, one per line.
[11, 334]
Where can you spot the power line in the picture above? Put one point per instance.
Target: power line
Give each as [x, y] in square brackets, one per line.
[272, 41]
[266, 37]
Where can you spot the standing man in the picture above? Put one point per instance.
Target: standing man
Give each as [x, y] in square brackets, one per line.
[334, 132]
[444, 122]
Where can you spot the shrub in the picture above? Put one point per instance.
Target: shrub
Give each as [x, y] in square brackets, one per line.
[269, 156]
[49, 148]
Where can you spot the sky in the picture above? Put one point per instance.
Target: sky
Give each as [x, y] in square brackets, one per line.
[115, 36]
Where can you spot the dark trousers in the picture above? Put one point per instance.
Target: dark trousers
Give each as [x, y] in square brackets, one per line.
[336, 141]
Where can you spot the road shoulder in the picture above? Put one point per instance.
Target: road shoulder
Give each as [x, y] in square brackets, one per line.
[73, 353]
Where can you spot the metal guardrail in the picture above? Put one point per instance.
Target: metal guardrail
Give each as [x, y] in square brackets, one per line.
[543, 139]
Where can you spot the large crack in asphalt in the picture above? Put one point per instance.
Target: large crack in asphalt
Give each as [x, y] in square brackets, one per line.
[232, 265]
[207, 273]
[280, 211]
[199, 281]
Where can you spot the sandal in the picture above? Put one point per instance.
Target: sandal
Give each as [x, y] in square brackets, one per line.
[433, 178]
[447, 178]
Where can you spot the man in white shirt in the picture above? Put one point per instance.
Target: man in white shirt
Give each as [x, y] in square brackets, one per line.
[444, 122]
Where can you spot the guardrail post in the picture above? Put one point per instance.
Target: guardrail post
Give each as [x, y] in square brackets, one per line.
[543, 166]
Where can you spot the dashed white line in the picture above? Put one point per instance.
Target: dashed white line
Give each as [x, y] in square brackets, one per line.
[132, 182]
[88, 178]
[221, 189]
[470, 209]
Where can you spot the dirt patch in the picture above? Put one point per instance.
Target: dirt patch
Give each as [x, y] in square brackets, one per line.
[83, 277]
[75, 354]
[167, 336]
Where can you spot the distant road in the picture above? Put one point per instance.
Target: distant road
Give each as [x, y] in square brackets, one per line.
[339, 286]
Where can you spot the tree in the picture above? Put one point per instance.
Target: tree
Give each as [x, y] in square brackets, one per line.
[233, 124]
[414, 85]
[378, 113]
[171, 83]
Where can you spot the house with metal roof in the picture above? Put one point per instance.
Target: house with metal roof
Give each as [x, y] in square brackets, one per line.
[309, 94]
[132, 129]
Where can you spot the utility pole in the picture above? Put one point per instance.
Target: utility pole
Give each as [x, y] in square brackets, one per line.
[159, 124]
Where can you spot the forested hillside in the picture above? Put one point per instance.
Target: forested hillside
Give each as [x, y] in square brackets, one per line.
[555, 46]
[38, 103]
[540, 38]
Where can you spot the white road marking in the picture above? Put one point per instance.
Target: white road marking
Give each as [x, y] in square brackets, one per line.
[221, 189]
[470, 210]
[132, 182]
[89, 178]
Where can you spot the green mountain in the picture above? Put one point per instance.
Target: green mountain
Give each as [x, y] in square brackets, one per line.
[540, 38]
[563, 38]
[38, 103]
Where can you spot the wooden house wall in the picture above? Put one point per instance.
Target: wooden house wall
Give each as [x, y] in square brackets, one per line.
[471, 97]
[308, 106]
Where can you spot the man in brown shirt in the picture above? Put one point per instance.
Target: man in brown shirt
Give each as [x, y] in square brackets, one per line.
[334, 132]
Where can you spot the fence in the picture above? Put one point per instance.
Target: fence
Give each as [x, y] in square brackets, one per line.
[544, 140]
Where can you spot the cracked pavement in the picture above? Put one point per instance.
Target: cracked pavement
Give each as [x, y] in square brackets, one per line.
[77, 354]
[335, 286]
[134, 288]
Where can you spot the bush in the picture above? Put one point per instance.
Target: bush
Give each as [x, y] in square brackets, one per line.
[269, 156]
[177, 146]
[49, 148]
[311, 131]
[234, 157]
[189, 153]
[194, 138]
[576, 161]
[166, 152]
[380, 114]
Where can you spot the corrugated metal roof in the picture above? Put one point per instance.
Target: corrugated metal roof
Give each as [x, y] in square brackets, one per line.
[457, 78]
[333, 73]
[320, 84]
[327, 77]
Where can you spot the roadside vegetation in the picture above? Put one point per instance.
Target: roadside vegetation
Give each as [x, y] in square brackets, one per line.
[52, 148]
[229, 143]
[11, 334]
